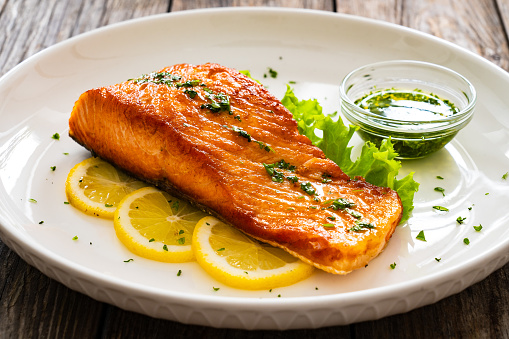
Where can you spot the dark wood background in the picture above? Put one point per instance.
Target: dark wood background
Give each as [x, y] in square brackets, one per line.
[34, 306]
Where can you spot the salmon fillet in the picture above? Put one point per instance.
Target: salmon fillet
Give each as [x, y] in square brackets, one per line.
[211, 135]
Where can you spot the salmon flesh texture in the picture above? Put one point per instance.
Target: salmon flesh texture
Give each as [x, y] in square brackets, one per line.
[211, 135]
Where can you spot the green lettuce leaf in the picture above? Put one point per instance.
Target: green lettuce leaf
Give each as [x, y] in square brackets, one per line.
[377, 166]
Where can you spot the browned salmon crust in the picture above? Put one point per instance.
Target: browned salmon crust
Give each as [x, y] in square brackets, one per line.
[170, 136]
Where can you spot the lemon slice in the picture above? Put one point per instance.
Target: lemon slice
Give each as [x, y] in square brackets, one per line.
[240, 261]
[156, 225]
[96, 187]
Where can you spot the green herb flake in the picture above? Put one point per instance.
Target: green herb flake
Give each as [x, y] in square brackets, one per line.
[179, 273]
[272, 73]
[393, 265]
[361, 226]
[41, 222]
[440, 177]
[215, 288]
[66, 202]
[181, 232]
[308, 188]
[220, 249]
[242, 133]
[466, 241]
[460, 220]
[478, 228]
[108, 205]
[441, 190]
[441, 208]
[53, 168]
[181, 241]
[75, 237]
[438, 259]
[506, 174]
[65, 153]
[129, 260]
[32, 200]
[421, 236]
[165, 247]
[55, 136]
[328, 225]
[152, 240]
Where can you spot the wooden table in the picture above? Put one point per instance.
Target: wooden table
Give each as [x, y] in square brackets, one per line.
[34, 306]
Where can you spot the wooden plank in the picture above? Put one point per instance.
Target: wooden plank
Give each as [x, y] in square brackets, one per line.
[33, 25]
[389, 10]
[474, 25]
[180, 5]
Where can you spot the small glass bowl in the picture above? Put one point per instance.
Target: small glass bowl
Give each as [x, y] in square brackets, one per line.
[411, 138]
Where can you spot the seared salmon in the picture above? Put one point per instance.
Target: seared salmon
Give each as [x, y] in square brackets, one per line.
[211, 135]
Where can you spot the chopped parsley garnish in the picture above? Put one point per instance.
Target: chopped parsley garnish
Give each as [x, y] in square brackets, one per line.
[278, 176]
[466, 241]
[181, 232]
[66, 203]
[328, 225]
[53, 168]
[341, 204]
[331, 218]
[215, 288]
[438, 259]
[264, 146]
[32, 200]
[41, 222]
[218, 102]
[175, 205]
[478, 228]
[75, 237]
[242, 133]
[181, 241]
[152, 240]
[129, 260]
[353, 213]
[441, 208]
[441, 190]
[179, 273]
[164, 78]
[272, 73]
[308, 188]
[421, 236]
[326, 178]
[220, 249]
[440, 177]
[361, 226]
[506, 174]
[188, 83]
[108, 205]
[192, 94]
[165, 247]
[460, 220]
[55, 136]
[393, 265]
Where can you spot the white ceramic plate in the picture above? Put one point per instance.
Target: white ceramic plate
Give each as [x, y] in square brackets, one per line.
[315, 49]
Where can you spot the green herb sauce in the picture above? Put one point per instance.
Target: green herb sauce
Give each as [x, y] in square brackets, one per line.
[408, 105]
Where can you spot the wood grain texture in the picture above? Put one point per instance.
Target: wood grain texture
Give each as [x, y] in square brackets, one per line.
[34, 306]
